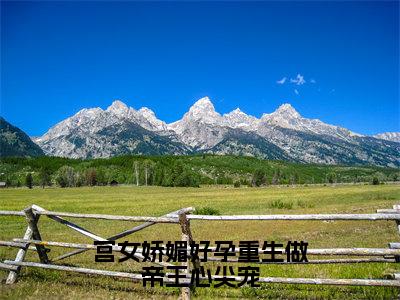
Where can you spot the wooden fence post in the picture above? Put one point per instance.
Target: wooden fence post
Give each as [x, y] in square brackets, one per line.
[187, 236]
[12, 276]
[396, 257]
[33, 219]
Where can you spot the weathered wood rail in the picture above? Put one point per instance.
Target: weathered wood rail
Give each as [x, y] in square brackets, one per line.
[32, 240]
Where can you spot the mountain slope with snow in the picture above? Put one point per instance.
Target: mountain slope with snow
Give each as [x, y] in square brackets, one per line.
[93, 132]
[389, 136]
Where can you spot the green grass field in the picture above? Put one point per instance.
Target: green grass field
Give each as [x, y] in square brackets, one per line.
[156, 201]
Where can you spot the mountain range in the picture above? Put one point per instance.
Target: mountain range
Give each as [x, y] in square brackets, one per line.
[283, 134]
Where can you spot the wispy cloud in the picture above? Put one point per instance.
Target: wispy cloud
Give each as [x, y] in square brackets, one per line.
[299, 80]
[296, 83]
[282, 81]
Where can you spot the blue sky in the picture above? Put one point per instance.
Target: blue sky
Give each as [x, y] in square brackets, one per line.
[57, 58]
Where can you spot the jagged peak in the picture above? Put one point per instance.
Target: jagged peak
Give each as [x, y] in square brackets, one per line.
[286, 107]
[146, 110]
[238, 119]
[288, 110]
[86, 111]
[150, 116]
[202, 110]
[236, 111]
[203, 104]
[118, 106]
[205, 99]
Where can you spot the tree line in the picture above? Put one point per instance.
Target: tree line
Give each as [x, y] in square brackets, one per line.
[180, 171]
[147, 173]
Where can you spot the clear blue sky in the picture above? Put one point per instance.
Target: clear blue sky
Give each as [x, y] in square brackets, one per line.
[57, 58]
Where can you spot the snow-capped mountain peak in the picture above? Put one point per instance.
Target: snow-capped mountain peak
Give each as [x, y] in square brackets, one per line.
[236, 112]
[238, 119]
[88, 112]
[64, 127]
[287, 110]
[285, 116]
[147, 112]
[118, 107]
[202, 105]
[150, 116]
[203, 102]
[195, 128]
[203, 110]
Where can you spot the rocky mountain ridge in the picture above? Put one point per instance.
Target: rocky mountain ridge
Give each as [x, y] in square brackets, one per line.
[283, 134]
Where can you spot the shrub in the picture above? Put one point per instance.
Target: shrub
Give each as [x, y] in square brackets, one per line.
[303, 204]
[187, 179]
[65, 176]
[280, 204]
[207, 211]
[259, 178]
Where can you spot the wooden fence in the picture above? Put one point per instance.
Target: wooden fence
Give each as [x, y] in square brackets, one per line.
[32, 240]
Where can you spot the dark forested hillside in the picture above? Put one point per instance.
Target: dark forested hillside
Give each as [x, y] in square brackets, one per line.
[182, 171]
[15, 142]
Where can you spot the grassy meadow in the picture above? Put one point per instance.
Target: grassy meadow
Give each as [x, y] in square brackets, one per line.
[156, 201]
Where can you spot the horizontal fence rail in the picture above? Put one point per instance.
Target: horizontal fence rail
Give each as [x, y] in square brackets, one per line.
[388, 253]
[32, 240]
[320, 217]
[12, 213]
[329, 251]
[137, 277]
[111, 217]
